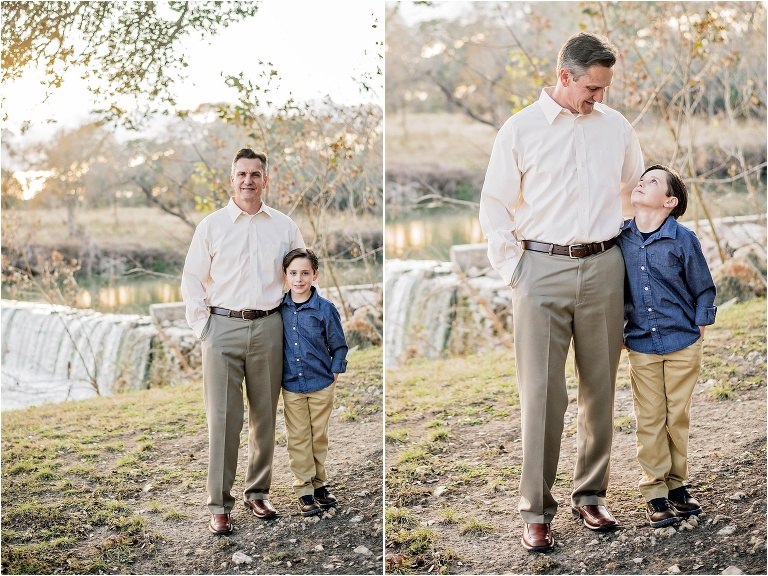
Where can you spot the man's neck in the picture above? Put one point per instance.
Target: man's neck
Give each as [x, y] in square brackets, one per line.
[248, 207]
[650, 220]
[558, 97]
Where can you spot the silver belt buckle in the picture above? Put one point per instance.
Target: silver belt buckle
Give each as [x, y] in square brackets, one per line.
[570, 250]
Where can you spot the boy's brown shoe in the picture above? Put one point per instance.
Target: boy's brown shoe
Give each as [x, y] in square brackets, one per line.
[685, 504]
[308, 506]
[324, 498]
[660, 513]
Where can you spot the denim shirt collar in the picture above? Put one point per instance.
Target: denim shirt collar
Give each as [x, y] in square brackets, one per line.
[667, 230]
[311, 303]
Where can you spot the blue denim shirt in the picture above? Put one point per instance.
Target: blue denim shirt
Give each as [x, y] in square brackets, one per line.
[314, 347]
[669, 290]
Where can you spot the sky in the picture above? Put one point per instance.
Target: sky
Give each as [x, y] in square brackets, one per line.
[316, 47]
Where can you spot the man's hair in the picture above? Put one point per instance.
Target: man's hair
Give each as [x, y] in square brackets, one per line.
[301, 253]
[249, 154]
[584, 49]
[675, 187]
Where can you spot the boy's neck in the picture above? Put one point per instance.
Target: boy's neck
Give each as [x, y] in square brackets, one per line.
[301, 298]
[650, 220]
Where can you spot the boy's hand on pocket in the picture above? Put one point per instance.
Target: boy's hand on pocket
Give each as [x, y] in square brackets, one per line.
[335, 376]
[701, 330]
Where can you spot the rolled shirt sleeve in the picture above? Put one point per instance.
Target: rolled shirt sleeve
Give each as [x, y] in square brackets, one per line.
[337, 343]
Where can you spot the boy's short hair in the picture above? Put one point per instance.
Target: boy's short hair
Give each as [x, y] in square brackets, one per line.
[301, 253]
[675, 187]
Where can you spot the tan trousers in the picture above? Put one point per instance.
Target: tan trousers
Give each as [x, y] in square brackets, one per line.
[235, 350]
[306, 425]
[557, 300]
[662, 388]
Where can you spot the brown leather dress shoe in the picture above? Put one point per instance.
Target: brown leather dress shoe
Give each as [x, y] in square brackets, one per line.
[596, 517]
[261, 508]
[537, 537]
[220, 524]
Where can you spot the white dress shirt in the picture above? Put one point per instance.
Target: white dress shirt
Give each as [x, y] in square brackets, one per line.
[235, 261]
[559, 178]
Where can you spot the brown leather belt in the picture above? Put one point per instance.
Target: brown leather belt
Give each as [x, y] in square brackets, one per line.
[575, 251]
[244, 314]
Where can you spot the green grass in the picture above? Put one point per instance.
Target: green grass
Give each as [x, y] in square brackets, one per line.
[75, 468]
[432, 403]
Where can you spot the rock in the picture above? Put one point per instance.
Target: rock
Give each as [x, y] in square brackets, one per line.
[611, 565]
[732, 570]
[693, 521]
[623, 538]
[363, 550]
[684, 526]
[241, 558]
[720, 518]
[318, 548]
[331, 512]
[356, 519]
[666, 531]
[727, 531]
[148, 488]
[737, 497]
[674, 569]
[439, 491]
[637, 560]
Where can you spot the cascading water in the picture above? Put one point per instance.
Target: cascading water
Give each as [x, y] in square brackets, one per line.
[54, 353]
[420, 297]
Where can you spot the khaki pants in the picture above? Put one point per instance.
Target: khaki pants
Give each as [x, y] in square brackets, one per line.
[662, 387]
[557, 300]
[235, 350]
[306, 425]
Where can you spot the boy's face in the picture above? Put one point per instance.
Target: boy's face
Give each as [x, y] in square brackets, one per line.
[651, 192]
[299, 277]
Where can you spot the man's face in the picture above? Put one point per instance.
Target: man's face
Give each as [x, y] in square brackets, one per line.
[249, 180]
[582, 94]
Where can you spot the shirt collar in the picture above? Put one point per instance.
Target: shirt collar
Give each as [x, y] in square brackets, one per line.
[667, 230]
[234, 210]
[552, 109]
[311, 303]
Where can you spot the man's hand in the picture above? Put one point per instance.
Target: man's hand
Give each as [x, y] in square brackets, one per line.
[335, 377]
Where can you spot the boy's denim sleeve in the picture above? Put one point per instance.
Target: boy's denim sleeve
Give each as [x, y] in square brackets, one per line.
[701, 285]
[337, 343]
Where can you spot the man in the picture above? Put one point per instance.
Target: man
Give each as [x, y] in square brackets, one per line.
[232, 286]
[550, 208]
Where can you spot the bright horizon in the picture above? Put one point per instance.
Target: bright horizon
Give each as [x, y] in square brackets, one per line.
[315, 55]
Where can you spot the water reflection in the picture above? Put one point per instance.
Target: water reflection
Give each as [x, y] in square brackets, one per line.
[128, 297]
[430, 235]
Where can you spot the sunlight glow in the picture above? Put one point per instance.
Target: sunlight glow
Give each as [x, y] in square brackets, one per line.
[32, 182]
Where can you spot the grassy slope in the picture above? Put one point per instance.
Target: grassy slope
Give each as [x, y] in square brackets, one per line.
[430, 403]
[70, 471]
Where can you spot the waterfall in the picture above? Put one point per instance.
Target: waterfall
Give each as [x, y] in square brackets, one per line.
[54, 353]
[420, 297]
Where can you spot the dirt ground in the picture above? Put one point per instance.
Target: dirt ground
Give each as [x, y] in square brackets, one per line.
[727, 462]
[289, 544]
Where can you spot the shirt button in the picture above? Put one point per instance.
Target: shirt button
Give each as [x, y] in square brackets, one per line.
[642, 267]
[646, 287]
[641, 247]
[296, 343]
[653, 329]
[301, 373]
[295, 312]
[297, 359]
[650, 309]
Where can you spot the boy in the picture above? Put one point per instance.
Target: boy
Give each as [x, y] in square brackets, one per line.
[669, 299]
[315, 353]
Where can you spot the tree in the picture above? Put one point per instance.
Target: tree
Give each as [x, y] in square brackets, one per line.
[123, 48]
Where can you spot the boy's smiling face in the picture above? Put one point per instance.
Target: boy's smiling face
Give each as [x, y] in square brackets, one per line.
[299, 277]
[651, 192]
